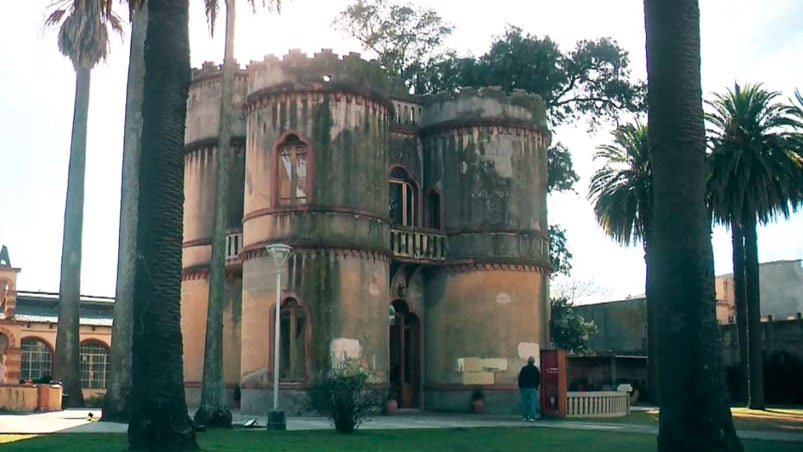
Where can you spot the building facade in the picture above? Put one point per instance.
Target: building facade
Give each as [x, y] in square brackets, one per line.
[28, 326]
[418, 224]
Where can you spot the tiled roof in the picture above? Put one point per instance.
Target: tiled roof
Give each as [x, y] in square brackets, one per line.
[42, 307]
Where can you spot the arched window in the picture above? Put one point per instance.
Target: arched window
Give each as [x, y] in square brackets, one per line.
[293, 332]
[94, 365]
[37, 359]
[292, 172]
[433, 210]
[403, 195]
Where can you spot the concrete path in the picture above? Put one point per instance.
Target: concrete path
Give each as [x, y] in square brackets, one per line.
[75, 421]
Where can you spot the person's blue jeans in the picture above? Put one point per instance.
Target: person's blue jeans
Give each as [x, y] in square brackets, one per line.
[529, 402]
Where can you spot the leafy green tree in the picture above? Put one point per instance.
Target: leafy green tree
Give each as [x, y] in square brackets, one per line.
[214, 411]
[560, 169]
[621, 191]
[406, 39]
[158, 408]
[115, 402]
[591, 81]
[568, 329]
[83, 37]
[559, 255]
[695, 412]
[754, 176]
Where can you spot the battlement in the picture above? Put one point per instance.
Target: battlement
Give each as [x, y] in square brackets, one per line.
[211, 69]
[482, 105]
[325, 69]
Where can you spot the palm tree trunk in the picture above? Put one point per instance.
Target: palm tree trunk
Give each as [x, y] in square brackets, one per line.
[737, 240]
[214, 411]
[115, 404]
[67, 367]
[652, 337]
[159, 419]
[755, 361]
[695, 414]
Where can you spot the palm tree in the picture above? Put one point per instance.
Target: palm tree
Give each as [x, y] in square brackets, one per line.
[158, 408]
[115, 403]
[214, 411]
[754, 178]
[621, 192]
[83, 38]
[695, 413]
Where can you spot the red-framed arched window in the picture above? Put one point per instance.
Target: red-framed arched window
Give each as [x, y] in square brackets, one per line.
[37, 358]
[94, 357]
[403, 202]
[291, 170]
[295, 337]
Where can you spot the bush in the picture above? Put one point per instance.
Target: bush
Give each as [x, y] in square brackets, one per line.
[95, 401]
[343, 395]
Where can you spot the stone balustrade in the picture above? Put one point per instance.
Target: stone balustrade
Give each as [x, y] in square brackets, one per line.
[598, 404]
[234, 244]
[419, 245]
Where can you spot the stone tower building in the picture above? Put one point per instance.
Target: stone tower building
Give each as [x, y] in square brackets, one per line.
[418, 224]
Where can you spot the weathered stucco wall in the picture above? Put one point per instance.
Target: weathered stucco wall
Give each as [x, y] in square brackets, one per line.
[621, 325]
[482, 324]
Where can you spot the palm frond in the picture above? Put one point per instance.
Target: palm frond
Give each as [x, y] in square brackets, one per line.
[621, 190]
[83, 34]
[753, 167]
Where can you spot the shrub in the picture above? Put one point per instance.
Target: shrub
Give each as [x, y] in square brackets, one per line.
[95, 401]
[343, 395]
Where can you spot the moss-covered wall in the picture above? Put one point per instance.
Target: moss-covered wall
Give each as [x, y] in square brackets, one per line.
[405, 150]
[346, 296]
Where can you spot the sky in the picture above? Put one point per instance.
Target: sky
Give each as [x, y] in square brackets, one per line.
[742, 40]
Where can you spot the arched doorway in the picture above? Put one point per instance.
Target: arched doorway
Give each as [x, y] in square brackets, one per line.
[405, 355]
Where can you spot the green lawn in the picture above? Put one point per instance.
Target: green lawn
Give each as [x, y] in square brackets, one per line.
[476, 439]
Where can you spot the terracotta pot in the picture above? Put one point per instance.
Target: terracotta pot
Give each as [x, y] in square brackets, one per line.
[391, 406]
[478, 405]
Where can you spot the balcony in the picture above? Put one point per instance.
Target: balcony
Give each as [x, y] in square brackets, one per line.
[234, 243]
[417, 245]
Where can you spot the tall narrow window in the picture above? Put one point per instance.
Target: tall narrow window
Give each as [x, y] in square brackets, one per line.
[36, 359]
[403, 195]
[292, 172]
[94, 365]
[434, 210]
[293, 342]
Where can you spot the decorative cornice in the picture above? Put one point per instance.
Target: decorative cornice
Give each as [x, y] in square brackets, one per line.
[197, 242]
[258, 250]
[504, 126]
[233, 271]
[319, 92]
[312, 209]
[467, 267]
[237, 144]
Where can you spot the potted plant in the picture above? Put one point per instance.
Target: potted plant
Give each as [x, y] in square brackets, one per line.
[477, 400]
[391, 404]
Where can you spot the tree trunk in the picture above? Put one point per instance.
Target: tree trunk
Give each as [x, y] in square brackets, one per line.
[652, 339]
[739, 294]
[214, 411]
[695, 413]
[159, 419]
[67, 368]
[115, 404]
[755, 362]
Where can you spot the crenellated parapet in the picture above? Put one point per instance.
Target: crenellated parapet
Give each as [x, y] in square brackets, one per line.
[325, 71]
[483, 106]
[203, 103]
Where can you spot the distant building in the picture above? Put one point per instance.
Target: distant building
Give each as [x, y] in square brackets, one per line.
[781, 284]
[619, 349]
[28, 325]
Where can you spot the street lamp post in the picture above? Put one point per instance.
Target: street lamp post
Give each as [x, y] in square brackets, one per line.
[280, 253]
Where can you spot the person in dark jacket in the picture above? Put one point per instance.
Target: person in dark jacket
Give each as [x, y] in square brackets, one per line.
[529, 380]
